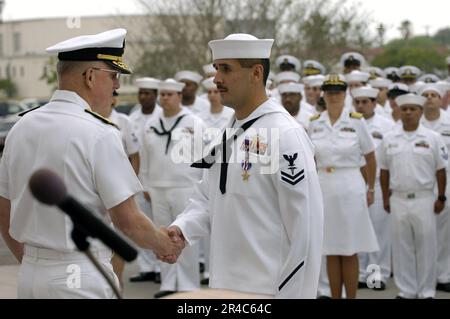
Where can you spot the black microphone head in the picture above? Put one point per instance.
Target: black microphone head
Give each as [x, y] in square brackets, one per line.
[47, 187]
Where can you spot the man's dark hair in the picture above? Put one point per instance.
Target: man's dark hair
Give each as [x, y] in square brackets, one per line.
[248, 63]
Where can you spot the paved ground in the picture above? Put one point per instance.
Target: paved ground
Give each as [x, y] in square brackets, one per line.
[146, 290]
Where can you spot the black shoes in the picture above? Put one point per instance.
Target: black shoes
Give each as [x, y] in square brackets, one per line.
[204, 281]
[147, 276]
[362, 285]
[163, 293]
[443, 287]
[381, 288]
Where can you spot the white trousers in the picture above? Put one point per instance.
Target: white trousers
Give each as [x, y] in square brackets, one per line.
[147, 261]
[167, 204]
[443, 242]
[414, 245]
[47, 274]
[381, 222]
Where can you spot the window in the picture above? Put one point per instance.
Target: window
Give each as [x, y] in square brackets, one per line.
[13, 72]
[17, 40]
[22, 71]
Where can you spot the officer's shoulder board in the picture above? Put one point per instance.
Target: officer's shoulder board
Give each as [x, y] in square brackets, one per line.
[28, 111]
[356, 115]
[314, 117]
[101, 118]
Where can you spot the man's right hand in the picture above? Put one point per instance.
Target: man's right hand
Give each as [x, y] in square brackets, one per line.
[172, 243]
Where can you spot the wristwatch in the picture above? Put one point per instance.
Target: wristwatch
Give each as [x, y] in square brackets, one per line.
[442, 198]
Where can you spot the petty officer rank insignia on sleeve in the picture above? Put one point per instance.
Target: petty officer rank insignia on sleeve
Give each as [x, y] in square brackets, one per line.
[292, 175]
[246, 165]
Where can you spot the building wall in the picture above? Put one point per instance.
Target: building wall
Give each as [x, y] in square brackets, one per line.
[23, 43]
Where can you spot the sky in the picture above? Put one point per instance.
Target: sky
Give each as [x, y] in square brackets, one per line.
[426, 15]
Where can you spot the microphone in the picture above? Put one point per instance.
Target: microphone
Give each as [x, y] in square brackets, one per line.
[48, 188]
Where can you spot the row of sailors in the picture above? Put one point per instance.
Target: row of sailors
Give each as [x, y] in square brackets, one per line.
[151, 124]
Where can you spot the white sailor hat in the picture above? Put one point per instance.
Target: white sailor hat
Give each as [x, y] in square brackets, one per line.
[209, 84]
[290, 88]
[357, 76]
[148, 83]
[171, 85]
[312, 67]
[416, 87]
[287, 76]
[444, 85]
[365, 91]
[429, 78]
[314, 80]
[188, 75]
[409, 72]
[107, 46]
[289, 59]
[375, 72]
[432, 87]
[352, 58]
[380, 83]
[241, 46]
[397, 89]
[410, 99]
[209, 69]
[448, 60]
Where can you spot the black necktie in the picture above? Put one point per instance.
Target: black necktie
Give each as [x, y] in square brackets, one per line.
[165, 132]
[208, 161]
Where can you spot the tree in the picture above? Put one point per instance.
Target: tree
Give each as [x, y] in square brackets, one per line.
[406, 29]
[304, 28]
[8, 87]
[422, 52]
[49, 72]
[442, 36]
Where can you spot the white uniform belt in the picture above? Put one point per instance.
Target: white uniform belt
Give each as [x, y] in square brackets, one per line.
[44, 253]
[413, 194]
[332, 169]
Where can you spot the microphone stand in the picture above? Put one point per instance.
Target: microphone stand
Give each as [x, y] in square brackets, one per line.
[79, 237]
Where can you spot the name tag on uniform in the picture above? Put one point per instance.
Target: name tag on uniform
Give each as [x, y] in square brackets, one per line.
[318, 130]
[445, 133]
[422, 144]
[348, 129]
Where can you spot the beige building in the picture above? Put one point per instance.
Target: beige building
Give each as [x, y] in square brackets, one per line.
[22, 47]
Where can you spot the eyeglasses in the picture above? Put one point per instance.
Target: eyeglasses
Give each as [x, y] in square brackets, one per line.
[116, 73]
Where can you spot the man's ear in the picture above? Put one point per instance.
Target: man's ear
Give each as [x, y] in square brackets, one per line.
[89, 78]
[258, 72]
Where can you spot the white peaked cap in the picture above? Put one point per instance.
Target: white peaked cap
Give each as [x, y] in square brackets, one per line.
[171, 85]
[380, 83]
[241, 46]
[209, 68]
[410, 99]
[108, 39]
[289, 59]
[357, 76]
[409, 71]
[148, 83]
[290, 88]
[375, 70]
[398, 86]
[432, 87]
[188, 75]
[314, 80]
[365, 91]
[287, 76]
[353, 56]
[209, 84]
[429, 78]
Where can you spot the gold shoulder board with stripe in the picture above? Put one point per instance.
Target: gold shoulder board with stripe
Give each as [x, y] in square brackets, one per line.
[356, 115]
[28, 111]
[101, 118]
[314, 117]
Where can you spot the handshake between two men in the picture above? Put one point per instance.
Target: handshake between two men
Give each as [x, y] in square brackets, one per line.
[172, 244]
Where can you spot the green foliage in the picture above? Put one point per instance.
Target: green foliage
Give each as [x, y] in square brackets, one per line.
[422, 52]
[8, 87]
[443, 36]
[49, 74]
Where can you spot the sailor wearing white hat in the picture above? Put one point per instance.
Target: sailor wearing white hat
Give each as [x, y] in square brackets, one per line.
[148, 108]
[413, 158]
[288, 63]
[394, 91]
[283, 202]
[364, 100]
[436, 119]
[291, 97]
[352, 61]
[169, 178]
[383, 108]
[409, 74]
[85, 149]
[191, 101]
[313, 84]
[311, 67]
